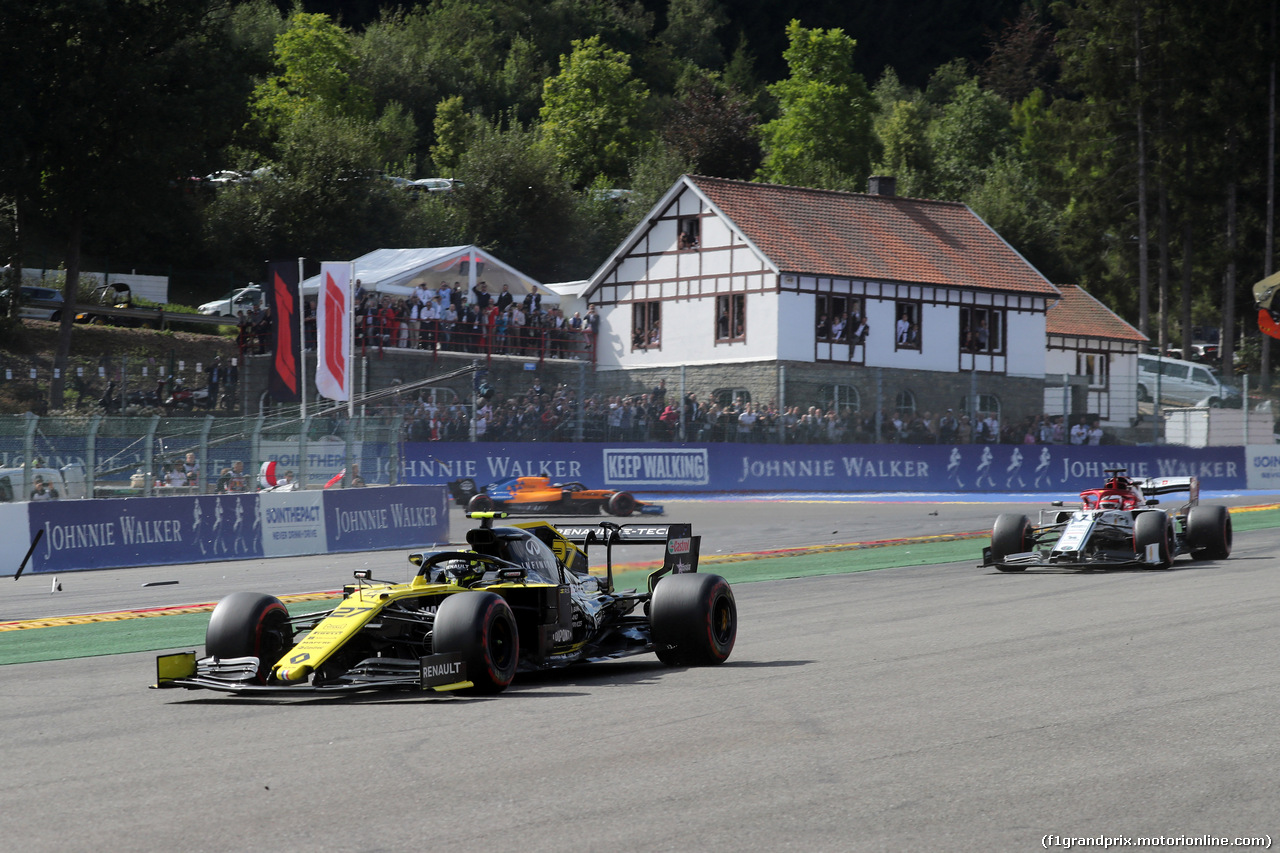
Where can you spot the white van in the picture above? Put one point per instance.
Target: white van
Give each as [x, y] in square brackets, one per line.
[241, 299]
[69, 482]
[1183, 383]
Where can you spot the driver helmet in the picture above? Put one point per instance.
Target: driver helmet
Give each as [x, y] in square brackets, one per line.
[1110, 502]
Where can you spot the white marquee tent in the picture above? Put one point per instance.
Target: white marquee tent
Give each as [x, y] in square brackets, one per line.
[398, 271]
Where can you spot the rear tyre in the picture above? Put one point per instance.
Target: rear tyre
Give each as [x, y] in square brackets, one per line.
[694, 619]
[1209, 532]
[249, 624]
[621, 504]
[1011, 534]
[1152, 528]
[481, 627]
[480, 503]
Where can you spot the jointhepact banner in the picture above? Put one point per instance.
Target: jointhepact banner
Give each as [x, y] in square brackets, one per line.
[292, 523]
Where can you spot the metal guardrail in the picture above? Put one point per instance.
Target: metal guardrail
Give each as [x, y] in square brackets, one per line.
[156, 317]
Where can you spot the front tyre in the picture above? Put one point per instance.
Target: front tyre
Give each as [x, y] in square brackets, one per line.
[1209, 532]
[694, 619]
[621, 504]
[1152, 528]
[249, 624]
[481, 627]
[1011, 534]
[480, 503]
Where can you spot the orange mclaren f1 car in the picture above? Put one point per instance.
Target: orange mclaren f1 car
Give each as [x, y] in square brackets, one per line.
[540, 496]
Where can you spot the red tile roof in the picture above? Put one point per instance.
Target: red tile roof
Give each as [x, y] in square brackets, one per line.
[1078, 313]
[882, 238]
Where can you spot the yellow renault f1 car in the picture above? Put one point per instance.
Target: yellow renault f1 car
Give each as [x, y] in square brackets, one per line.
[520, 599]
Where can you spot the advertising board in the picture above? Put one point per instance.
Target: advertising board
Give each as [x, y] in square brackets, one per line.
[748, 467]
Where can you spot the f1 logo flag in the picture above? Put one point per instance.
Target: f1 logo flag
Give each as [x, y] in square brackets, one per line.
[333, 326]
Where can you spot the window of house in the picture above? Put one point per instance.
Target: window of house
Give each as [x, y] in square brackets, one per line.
[1096, 366]
[690, 232]
[905, 404]
[840, 397]
[982, 329]
[906, 331]
[646, 325]
[839, 319]
[731, 317]
[731, 396]
[986, 404]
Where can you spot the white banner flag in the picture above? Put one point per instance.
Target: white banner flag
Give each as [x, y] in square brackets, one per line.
[333, 327]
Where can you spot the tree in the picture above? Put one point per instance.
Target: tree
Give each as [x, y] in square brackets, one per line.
[591, 112]
[823, 136]
[102, 132]
[1022, 58]
[653, 172]
[1013, 201]
[1165, 114]
[973, 132]
[522, 74]
[904, 138]
[516, 202]
[691, 32]
[454, 128]
[322, 195]
[314, 57]
[714, 129]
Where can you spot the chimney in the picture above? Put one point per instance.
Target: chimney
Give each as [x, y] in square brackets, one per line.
[882, 185]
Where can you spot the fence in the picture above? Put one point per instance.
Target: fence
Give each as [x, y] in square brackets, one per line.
[130, 456]
[126, 454]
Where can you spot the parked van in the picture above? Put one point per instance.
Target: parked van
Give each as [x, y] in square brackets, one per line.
[241, 299]
[69, 482]
[1183, 383]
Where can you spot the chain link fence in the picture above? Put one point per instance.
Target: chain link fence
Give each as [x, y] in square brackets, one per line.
[119, 456]
[132, 446]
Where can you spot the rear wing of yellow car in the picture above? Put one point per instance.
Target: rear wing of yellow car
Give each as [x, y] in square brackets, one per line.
[680, 555]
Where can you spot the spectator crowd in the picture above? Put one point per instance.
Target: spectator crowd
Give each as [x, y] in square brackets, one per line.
[556, 414]
[447, 317]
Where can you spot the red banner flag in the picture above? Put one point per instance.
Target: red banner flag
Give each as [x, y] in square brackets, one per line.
[333, 320]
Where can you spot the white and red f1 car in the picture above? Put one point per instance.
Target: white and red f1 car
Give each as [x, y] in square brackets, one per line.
[1116, 526]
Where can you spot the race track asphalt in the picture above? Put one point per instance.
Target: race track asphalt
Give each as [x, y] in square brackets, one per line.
[920, 707]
